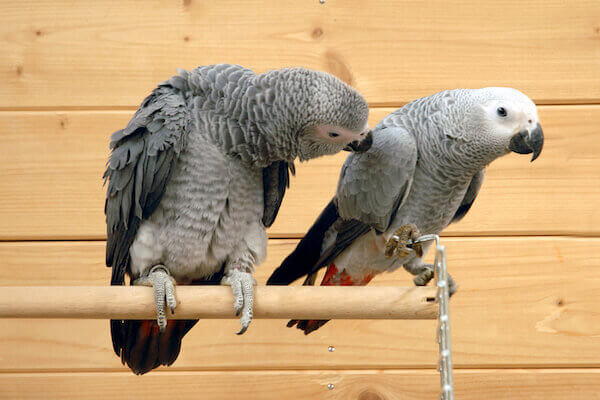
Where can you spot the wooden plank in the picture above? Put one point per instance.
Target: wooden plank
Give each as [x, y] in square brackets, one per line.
[87, 53]
[51, 165]
[563, 384]
[522, 302]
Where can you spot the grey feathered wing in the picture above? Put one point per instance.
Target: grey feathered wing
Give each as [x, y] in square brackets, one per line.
[140, 165]
[142, 160]
[470, 195]
[371, 188]
[276, 179]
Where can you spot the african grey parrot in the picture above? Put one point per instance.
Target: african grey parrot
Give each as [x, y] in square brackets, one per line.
[423, 171]
[199, 172]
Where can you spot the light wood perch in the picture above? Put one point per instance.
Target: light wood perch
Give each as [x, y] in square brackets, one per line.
[271, 302]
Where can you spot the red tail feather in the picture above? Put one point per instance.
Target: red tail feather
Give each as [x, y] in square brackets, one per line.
[143, 347]
[332, 278]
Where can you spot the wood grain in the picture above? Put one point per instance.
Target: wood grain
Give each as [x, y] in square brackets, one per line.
[86, 53]
[562, 384]
[522, 302]
[214, 302]
[51, 165]
[526, 302]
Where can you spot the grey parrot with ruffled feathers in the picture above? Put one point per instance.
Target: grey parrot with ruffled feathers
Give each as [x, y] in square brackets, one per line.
[423, 172]
[199, 173]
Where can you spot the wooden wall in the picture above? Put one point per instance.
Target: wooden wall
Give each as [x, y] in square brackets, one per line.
[525, 322]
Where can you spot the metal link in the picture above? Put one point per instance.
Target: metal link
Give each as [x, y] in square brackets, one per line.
[443, 333]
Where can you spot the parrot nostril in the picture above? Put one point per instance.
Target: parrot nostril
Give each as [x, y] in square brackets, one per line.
[530, 121]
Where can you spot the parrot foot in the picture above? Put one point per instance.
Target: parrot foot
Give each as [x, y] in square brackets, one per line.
[399, 245]
[452, 286]
[424, 273]
[164, 292]
[241, 282]
[424, 277]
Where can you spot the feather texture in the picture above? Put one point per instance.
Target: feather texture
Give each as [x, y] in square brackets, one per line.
[470, 195]
[425, 169]
[139, 168]
[200, 170]
[372, 184]
[276, 179]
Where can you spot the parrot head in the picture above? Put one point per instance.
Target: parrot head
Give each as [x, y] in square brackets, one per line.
[510, 122]
[326, 115]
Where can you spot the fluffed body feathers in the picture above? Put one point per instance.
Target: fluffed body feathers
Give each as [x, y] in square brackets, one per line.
[425, 167]
[201, 170]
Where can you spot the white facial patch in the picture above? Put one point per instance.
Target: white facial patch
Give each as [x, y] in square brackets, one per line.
[338, 135]
[508, 111]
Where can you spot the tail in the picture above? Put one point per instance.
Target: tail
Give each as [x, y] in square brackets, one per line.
[142, 346]
[304, 257]
[333, 277]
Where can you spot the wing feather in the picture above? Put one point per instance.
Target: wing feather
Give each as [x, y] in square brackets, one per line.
[371, 188]
[140, 165]
[276, 179]
[372, 184]
[470, 196]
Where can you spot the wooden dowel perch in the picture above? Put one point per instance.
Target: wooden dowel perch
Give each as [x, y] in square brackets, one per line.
[274, 302]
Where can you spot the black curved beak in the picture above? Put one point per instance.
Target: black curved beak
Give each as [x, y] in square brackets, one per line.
[361, 146]
[526, 142]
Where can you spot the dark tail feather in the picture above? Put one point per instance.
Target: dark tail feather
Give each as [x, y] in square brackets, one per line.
[146, 348]
[301, 261]
[307, 325]
[141, 345]
[333, 277]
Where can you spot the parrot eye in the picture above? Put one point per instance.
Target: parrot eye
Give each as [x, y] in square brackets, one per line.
[333, 134]
[501, 111]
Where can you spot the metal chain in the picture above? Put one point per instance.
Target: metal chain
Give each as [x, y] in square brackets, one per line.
[443, 334]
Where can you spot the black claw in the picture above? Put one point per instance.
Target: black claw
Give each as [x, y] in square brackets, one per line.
[172, 310]
[241, 332]
[452, 291]
[237, 313]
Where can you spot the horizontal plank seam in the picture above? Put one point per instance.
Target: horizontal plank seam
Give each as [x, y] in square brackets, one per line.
[289, 371]
[587, 102]
[69, 108]
[468, 235]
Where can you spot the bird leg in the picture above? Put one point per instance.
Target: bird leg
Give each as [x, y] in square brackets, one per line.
[425, 273]
[164, 291]
[400, 243]
[239, 277]
[452, 286]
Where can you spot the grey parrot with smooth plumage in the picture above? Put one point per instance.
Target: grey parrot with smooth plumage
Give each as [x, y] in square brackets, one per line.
[423, 172]
[199, 172]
